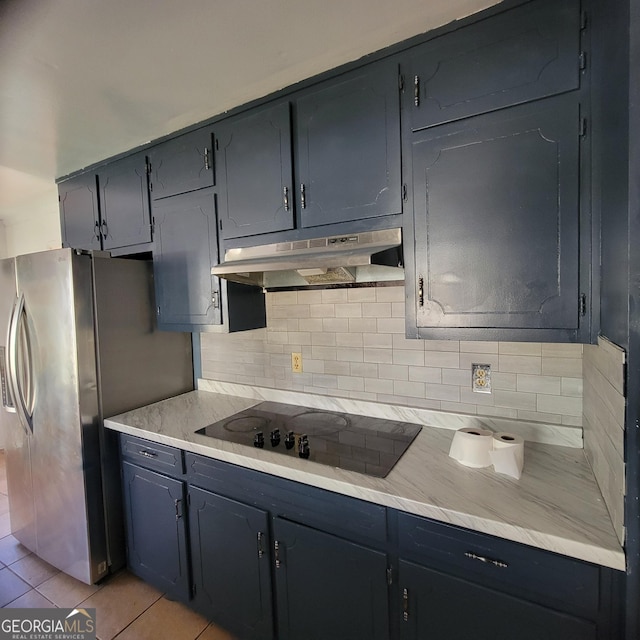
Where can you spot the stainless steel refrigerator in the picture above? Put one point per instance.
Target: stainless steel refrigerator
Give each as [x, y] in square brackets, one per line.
[81, 345]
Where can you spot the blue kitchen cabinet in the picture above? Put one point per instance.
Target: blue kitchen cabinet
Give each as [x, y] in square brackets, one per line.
[181, 164]
[328, 154]
[230, 551]
[107, 208]
[155, 510]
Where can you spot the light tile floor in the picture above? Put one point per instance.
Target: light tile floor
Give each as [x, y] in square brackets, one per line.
[126, 607]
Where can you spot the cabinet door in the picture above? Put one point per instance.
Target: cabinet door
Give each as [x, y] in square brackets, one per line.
[185, 249]
[523, 54]
[328, 587]
[254, 172]
[495, 201]
[124, 202]
[231, 570]
[182, 164]
[156, 529]
[79, 215]
[348, 147]
[440, 607]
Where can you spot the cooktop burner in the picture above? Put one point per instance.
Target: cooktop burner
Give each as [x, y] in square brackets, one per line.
[357, 443]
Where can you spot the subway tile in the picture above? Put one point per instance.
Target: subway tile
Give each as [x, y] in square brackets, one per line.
[322, 310]
[409, 389]
[441, 345]
[515, 400]
[364, 369]
[559, 404]
[459, 407]
[376, 385]
[275, 298]
[349, 310]
[324, 353]
[382, 356]
[442, 392]
[349, 340]
[397, 310]
[564, 367]
[520, 364]
[362, 294]
[393, 371]
[334, 296]
[335, 325]
[460, 377]
[349, 383]
[470, 358]
[300, 337]
[390, 325]
[478, 347]
[390, 294]
[414, 358]
[310, 365]
[376, 309]
[498, 412]
[400, 342]
[442, 359]
[468, 396]
[554, 350]
[378, 340]
[351, 354]
[505, 381]
[363, 325]
[289, 311]
[309, 296]
[324, 381]
[425, 374]
[323, 339]
[572, 387]
[520, 348]
[311, 324]
[572, 421]
[535, 416]
[278, 337]
[539, 384]
[363, 395]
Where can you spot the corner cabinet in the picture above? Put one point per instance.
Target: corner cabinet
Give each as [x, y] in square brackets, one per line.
[107, 209]
[498, 240]
[327, 155]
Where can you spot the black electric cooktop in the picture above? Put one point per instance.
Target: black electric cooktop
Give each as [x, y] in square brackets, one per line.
[357, 443]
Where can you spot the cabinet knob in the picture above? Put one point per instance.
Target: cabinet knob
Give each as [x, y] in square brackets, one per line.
[258, 440]
[289, 440]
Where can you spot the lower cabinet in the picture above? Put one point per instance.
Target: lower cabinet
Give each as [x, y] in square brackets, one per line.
[156, 529]
[269, 558]
[231, 564]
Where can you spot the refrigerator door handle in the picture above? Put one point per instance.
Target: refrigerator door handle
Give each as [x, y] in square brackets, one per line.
[24, 404]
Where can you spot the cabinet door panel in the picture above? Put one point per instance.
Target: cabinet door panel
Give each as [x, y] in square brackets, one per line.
[124, 201]
[182, 164]
[185, 250]
[231, 571]
[439, 607]
[496, 219]
[348, 142]
[254, 169]
[526, 53]
[156, 533]
[79, 215]
[328, 587]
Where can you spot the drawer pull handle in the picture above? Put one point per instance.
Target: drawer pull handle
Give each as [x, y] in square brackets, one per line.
[495, 563]
[147, 454]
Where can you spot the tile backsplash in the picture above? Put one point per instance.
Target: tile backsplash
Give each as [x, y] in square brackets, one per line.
[353, 346]
[604, 416]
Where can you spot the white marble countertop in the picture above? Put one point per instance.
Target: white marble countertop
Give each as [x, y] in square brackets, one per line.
[556, 504]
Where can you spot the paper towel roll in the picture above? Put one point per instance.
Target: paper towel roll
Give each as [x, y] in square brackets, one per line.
[471, 447]
[507, 455]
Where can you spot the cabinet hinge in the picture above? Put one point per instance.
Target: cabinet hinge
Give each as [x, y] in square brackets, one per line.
[583, 21]
[389, 576]
[148, 167]
[405, 605]
[582, 305]
[401, 82]
[583, 60]
[582, 127]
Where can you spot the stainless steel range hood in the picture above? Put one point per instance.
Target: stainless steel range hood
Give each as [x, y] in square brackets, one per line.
[370, 256]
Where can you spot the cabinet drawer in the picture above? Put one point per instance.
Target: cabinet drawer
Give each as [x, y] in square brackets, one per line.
[529, 52]
[152, 455]
[538, 575]
[340, 515]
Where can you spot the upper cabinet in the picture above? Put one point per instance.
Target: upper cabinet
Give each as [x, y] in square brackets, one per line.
[107, 209]
[498, 241]
[255, 172]
[330, 154]
[517, 56]
[182, 164]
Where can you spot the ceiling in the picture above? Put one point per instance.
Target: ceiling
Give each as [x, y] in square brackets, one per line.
[82, 80]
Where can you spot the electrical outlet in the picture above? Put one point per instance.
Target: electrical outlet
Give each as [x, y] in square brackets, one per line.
[481, 378]
[296, 362]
